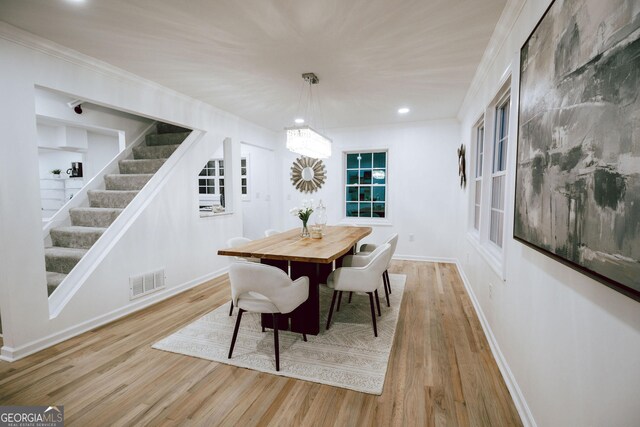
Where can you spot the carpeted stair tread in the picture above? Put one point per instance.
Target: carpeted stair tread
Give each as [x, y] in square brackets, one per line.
[156, 139]
[129, 181]
[94, 217]
[140, 166]
[110, 198]
[154, 152]
[53, 280]
[76, 236]
[169, 128]
[62, 260]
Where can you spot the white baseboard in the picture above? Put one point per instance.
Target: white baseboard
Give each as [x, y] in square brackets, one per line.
[424, 258]
[10, 354]
[514, 389]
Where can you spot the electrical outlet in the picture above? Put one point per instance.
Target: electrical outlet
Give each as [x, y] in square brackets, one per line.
[411, 237]
[490, 290]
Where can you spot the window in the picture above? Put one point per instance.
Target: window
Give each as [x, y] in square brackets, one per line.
[211, 186]
[478, 173]
[366, 185]
[499, 170]
[207, 179]
[243, 177]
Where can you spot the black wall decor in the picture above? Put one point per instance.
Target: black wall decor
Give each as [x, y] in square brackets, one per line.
[578, 166]
[462, 166]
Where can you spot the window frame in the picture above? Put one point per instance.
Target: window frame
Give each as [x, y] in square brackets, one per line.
[479, 135]
[215, 177]
[387, 205]
[245, 196]
[491, 252]
[500, 154]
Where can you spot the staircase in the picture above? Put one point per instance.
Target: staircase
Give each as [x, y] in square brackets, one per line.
[69, 244]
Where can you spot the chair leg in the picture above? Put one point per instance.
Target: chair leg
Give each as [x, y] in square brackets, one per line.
[378, 302]
[333, 301]
[235, 332]
[339, 301]
[231, 309]
[373, 314]
[386, 274]
[386, 291]
[350, 295]
[304, 337]
[276, 344]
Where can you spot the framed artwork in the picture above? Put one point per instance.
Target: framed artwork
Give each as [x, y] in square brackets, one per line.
[578, 164]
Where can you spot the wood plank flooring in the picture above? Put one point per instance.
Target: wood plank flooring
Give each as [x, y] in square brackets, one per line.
[441, 371]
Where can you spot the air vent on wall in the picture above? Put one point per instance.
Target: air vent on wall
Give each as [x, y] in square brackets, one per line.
[146, 283]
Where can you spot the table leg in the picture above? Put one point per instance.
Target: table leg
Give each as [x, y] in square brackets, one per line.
[306, 318]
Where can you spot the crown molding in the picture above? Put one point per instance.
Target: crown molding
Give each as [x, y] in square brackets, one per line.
[505, 24]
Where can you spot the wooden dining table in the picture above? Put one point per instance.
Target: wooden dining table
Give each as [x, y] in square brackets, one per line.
[299, 257]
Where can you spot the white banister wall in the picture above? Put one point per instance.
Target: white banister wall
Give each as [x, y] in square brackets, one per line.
[168, 234]
[568, 345]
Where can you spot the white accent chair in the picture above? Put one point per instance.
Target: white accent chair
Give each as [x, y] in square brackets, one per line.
[234, 242]
[370, 247]
[363, 279]
[270, 232]
[260, 288]
[361, 259]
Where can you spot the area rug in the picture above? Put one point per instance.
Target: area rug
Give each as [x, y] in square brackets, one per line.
[347, 355]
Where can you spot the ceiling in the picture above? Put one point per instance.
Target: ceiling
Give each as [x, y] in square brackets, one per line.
[247, 57]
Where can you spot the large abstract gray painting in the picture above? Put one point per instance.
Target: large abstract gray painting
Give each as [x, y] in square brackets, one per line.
[578, 165]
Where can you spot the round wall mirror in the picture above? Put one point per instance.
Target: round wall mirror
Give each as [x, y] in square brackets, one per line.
[307, 174]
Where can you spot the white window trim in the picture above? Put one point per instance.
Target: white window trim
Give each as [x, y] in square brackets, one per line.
[386, 221]
[473, 232]
[493, 254]
[246, 197]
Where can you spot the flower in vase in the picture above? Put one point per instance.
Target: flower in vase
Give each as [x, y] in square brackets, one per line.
[304, 212]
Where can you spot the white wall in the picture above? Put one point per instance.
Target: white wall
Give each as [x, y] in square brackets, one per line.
[101, 149]
[422, 184]
[187, 246]
[572, 345]
[259, 208]
[51, 106]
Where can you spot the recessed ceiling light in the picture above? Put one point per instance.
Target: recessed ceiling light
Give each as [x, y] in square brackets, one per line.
[403, 110]
[299, 121]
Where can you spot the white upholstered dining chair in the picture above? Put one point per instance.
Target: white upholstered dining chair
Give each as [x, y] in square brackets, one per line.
[260, 288]
[234, 242]
[361, 279]
[370, 247]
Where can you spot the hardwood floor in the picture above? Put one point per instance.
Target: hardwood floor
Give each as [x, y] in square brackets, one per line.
[441, 371]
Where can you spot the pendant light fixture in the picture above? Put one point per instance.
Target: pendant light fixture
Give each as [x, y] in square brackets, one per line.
[302, 138]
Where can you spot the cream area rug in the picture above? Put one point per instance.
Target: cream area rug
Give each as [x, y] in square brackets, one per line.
[347, 355]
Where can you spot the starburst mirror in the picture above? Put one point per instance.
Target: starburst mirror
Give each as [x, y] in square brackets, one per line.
[307, 174]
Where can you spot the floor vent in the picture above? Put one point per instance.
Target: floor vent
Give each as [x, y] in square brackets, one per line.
[145, 283]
